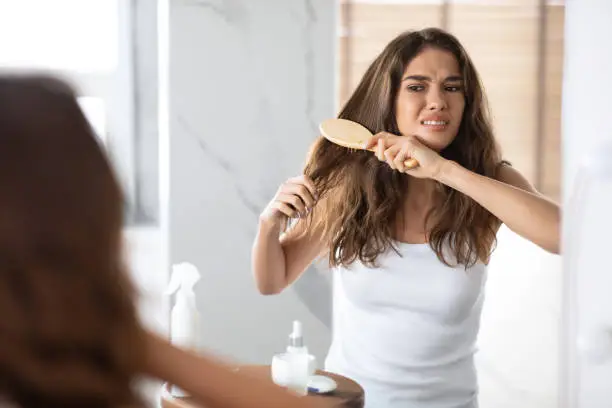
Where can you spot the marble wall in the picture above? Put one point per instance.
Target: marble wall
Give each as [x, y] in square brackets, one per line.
[249, 81]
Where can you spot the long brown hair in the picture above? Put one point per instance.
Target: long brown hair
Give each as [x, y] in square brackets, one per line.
[69, 333]
[363, 198]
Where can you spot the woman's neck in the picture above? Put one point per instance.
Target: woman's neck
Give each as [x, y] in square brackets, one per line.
[420, 200]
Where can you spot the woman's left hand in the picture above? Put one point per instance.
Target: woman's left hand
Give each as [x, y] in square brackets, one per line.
[395, 150]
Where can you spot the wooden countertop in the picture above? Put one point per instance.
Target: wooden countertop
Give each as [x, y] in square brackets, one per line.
[349, 394]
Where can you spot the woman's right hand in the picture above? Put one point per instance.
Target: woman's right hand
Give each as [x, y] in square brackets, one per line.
[295, 198]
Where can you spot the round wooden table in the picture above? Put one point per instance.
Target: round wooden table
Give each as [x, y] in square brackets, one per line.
[349, 394]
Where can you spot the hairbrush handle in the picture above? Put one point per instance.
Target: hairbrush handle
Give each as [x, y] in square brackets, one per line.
[409, 163]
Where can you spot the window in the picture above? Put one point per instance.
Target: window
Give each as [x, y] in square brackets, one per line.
[90, 44]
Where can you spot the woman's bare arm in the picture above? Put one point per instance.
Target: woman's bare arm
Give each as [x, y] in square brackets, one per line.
[277, 261]
[212, 383]
[513, 200]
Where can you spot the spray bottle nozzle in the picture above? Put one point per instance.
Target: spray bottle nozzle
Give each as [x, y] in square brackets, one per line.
[184, 277]
[296, 338]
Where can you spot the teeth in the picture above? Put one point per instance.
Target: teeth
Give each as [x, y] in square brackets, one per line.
[434, 122]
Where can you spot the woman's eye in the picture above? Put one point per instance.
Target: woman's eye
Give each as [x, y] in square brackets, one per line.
[415, 88]
[452, 88]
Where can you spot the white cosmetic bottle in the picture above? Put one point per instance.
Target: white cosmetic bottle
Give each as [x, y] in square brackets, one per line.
[293, 368]
[297, 346]
[184, 318]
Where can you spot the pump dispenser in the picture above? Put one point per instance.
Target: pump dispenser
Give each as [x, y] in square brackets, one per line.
[184, 319]
[296, 339]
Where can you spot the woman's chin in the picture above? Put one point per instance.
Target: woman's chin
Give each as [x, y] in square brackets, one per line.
[435, 140]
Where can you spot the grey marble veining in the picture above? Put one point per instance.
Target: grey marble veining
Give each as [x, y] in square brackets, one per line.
[249, 83]
[231, 11]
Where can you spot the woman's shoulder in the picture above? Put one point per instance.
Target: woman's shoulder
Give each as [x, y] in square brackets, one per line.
[508, 174]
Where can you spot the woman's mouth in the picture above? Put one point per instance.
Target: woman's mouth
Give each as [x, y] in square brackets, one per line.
[435, 125]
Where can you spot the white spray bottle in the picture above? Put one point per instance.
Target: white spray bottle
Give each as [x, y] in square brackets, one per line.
[184, 318]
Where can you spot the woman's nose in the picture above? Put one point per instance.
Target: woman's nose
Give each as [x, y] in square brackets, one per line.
[436, 100]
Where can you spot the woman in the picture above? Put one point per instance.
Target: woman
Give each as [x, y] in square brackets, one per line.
[408, 247]
[69, 333]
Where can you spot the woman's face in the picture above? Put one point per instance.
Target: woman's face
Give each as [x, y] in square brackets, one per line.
[430, 100]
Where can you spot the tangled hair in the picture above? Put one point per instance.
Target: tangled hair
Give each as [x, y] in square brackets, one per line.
[363, 198]
[69, 333]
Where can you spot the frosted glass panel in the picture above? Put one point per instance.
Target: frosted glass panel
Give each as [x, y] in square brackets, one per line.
[77, 35]
[95, 111]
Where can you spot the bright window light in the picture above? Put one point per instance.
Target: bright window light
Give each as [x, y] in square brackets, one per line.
[75, 35]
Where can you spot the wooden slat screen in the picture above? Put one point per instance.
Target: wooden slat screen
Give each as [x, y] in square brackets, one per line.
[503, 40]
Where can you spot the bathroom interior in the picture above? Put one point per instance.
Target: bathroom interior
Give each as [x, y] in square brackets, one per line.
[205, 106]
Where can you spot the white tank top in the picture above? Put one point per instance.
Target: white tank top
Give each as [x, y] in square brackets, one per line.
[406, 331]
